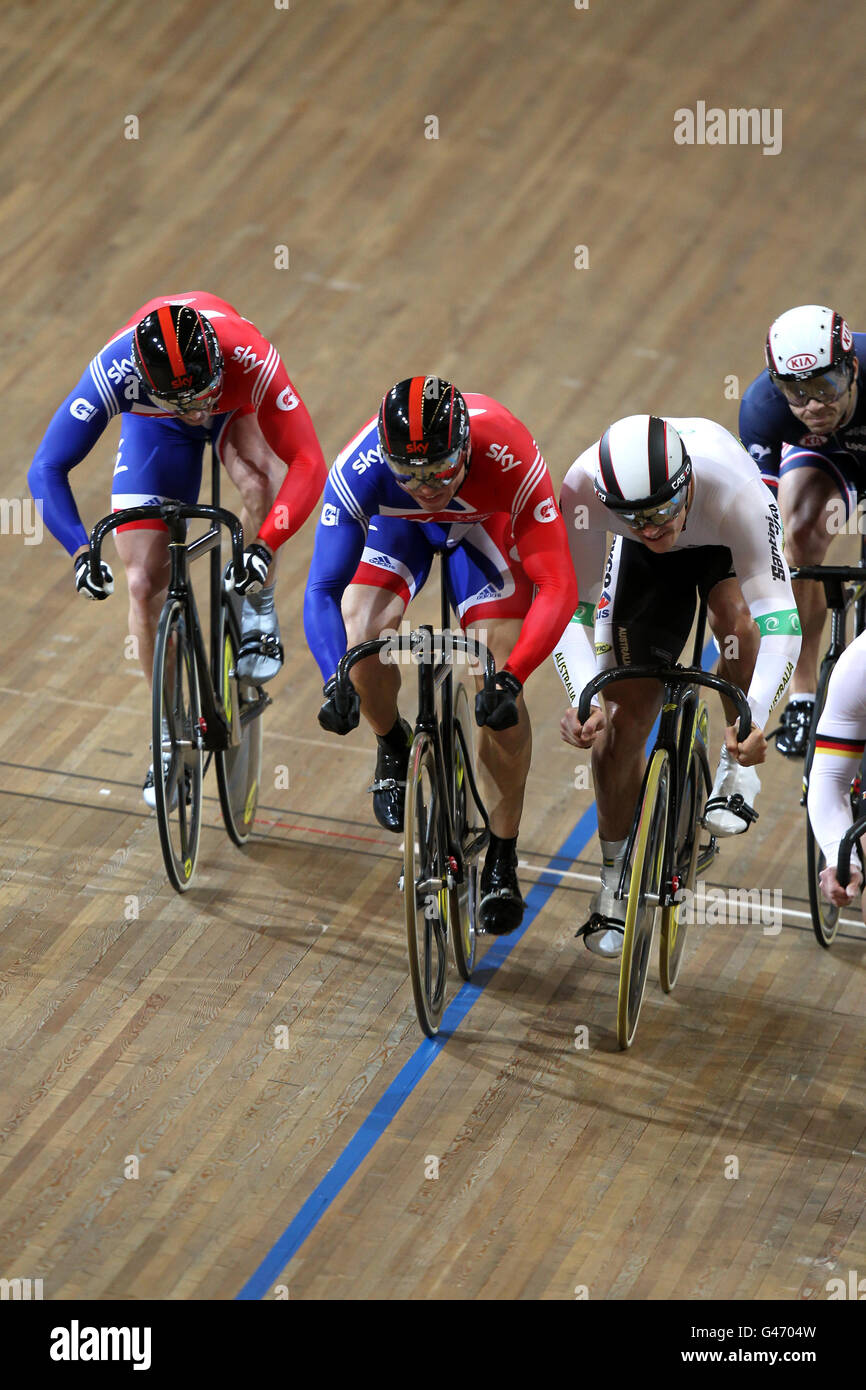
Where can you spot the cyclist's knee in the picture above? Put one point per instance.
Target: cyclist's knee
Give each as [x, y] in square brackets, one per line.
[145, 583]
[368, 612]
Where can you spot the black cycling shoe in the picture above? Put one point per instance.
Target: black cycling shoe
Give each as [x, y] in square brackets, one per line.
[501, 908]
[389, 788]
[793, 735]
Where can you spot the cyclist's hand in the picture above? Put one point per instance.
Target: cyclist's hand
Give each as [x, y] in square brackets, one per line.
[257, 562]
[754, 750]
[83, 581]
[581, 735]
[833, 890]
[496, 704]
[342, 717]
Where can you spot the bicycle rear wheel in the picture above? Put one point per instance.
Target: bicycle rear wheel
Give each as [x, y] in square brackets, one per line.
[646, 878]
[238, 767]
[177, 752]
[674, 923]
[427, 900]
[464, 896]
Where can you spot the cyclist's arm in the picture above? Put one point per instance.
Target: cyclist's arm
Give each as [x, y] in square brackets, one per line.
[69, 438]
[338, 548]
[757, 434]
[753, 531]
[574, 653]
[285, 422]
[542, 545]
[840, 743]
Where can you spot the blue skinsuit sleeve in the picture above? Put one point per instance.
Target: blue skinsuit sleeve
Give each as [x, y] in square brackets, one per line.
[338, 547]
[71, 435]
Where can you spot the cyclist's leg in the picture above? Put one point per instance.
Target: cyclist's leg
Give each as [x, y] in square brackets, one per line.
[156, 460]
[394, 566]
[644, 616]
[257, 473]
[734, 629]
[491, 594]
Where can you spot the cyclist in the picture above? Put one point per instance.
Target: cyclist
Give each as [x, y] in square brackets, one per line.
[186, 369]
[688, 513]
[804, 419]
[841, 737]
[438, 471]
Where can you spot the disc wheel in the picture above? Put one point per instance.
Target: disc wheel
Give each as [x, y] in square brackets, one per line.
[177, 753]
[238, 767]
[674, 923]
[646, 876]
[465, 895]
[425, 887]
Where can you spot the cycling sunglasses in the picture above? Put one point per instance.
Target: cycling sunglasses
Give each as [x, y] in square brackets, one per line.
[826, 388]
[185, 405]
[654, 516]
[438, 472]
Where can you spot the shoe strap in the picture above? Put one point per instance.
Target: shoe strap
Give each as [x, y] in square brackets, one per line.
[598, 922]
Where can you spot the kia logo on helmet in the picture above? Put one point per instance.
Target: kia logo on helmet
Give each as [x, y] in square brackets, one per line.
[802, 362]
[845, 337]
[181, 381]
[416, 446]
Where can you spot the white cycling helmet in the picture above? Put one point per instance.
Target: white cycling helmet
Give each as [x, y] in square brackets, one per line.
[642, 467]
[808, 341]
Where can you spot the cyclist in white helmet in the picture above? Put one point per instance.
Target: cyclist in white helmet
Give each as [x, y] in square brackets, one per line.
[804, 420]
[689, 515]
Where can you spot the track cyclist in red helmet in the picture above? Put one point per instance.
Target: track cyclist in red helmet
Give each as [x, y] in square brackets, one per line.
[803, 420]
[689, 515]
[442, 472]
[185, 370]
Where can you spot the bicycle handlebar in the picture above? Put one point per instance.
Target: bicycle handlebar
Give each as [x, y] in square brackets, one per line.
[843, 859]
[420, 647]
[832, 577]
[669, 675]
[169, 512]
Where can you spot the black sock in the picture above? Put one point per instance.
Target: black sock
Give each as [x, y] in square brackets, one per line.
[395, 740]
[501, 849]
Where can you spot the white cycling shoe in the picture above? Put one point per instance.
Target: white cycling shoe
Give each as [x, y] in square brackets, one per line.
[608, 913]
[261, 651]
[732, 781]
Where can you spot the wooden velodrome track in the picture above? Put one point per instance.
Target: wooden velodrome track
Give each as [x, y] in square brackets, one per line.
[559, 1168]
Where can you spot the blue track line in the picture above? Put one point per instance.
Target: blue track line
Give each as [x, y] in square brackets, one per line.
[422, 1059]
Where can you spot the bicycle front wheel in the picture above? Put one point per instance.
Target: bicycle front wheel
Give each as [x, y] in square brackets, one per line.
[646, 879]
[672, 937]
[238, 767]
[426, 895]
[177, 753]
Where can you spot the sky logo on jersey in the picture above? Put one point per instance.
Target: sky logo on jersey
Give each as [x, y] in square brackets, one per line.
[247, 359]
[119, 369]
[501, 453]
[287, 400]
[365, 460]
[81, 409]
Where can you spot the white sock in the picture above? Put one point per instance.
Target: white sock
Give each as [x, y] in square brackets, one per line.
[612, 855]
[798, 695]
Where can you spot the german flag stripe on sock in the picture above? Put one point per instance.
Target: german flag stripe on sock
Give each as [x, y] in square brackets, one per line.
[839, 747]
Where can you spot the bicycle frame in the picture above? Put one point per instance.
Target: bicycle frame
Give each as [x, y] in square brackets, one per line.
[215, 731]
[676, 736]
[435, 673]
